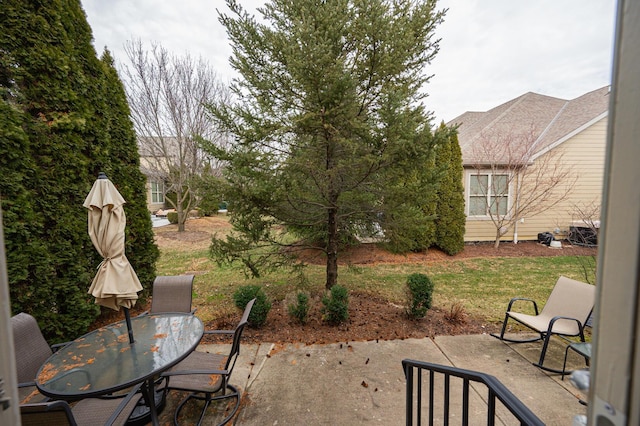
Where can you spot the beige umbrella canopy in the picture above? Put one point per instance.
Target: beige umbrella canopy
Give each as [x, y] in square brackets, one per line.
[116, 283]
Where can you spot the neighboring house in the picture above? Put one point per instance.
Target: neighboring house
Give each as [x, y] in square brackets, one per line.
[150, 159]
[155, 192]
[158, 155]
[534, 128]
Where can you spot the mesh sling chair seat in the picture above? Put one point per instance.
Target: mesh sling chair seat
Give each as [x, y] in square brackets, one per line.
[172, 294]
[206, 376]
[31, 351]
[565, 314]
[87, 412]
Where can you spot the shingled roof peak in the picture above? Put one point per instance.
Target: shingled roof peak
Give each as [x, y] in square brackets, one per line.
[546, 119]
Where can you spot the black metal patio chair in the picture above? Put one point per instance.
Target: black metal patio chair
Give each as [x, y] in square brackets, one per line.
[206, 376]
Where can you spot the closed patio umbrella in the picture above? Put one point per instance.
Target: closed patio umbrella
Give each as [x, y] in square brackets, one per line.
[116, 283]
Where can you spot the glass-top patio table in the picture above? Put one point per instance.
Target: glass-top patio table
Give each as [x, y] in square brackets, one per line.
[103, 361]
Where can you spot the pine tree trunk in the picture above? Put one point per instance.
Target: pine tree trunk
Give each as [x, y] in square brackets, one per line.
[332, 249]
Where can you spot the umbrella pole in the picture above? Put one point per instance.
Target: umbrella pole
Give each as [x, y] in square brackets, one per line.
[127, 318]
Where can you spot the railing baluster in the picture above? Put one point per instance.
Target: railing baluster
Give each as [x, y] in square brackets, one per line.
[447, 394]
[496, 391]
[491, 409]
[419, 405]
[431, 387]
[465, 401]
[408, 374]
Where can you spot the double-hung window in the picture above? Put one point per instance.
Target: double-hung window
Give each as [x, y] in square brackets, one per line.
[157, 192]
[488, 194]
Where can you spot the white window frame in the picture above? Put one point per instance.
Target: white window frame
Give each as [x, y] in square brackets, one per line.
[490, 173]
[157, 192]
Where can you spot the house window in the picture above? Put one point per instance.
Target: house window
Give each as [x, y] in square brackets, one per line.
[488, 194]
[157, 192]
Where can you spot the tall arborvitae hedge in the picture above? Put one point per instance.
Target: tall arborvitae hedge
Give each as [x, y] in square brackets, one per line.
[63, 124]
[450, 222]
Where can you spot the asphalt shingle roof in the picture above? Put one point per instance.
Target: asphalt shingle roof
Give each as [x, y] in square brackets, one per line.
[544, 120]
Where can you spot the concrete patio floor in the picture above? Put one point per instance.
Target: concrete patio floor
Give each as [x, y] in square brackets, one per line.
[353, 383]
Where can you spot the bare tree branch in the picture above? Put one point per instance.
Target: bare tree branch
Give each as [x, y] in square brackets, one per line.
[168, 96]
[535, 184]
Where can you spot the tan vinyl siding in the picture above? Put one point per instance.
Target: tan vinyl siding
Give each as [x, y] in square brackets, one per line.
[151, 205]
[583, 152]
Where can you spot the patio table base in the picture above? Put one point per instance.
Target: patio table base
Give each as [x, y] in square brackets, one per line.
[141, 415]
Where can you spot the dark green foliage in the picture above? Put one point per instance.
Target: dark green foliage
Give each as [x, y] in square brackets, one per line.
[300, 309]
[410, 206]
[60, 127]
[208, 190]
[261, 307]
[419, 289]
[332, 139]
[336, 305]
[49, 87]
[451, 219]
[172, 217]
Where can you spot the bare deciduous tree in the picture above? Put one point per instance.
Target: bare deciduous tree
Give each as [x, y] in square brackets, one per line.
[168, 96]
[584, 232]
[516, 178]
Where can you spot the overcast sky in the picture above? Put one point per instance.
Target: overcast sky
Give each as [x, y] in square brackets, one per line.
[491, 50]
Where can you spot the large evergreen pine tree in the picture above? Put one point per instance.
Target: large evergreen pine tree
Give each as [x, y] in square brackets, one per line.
[330, 125]
[57, 91]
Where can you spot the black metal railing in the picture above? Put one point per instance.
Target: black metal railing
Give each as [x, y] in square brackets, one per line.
[495, 391]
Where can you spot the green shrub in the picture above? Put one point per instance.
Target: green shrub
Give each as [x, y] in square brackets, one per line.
[419, 290]
[172, 217]
[261, 307]
[336, 305]
[300, 309]
[450, 221]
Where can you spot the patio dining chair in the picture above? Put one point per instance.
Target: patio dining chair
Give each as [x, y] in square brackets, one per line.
[87, 412]
[31, 351]
[564, 314]
[206, 376]
[172, 294]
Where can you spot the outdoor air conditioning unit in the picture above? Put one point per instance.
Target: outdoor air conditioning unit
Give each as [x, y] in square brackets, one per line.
[584, 233]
